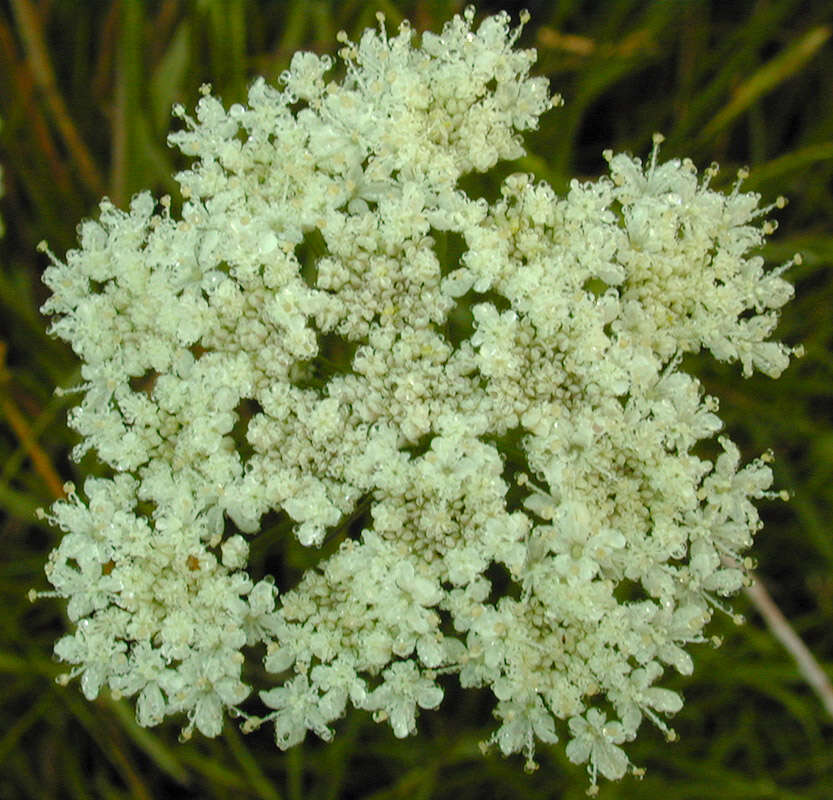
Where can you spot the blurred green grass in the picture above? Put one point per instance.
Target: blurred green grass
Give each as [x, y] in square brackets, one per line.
[85, 96]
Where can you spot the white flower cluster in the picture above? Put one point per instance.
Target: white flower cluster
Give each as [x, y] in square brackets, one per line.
[305, 340]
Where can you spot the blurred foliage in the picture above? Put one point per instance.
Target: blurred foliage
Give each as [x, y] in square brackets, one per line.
[85, 97]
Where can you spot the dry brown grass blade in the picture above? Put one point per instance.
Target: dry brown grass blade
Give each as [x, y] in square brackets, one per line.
[29, 25]
[39, 132]
[17, 422]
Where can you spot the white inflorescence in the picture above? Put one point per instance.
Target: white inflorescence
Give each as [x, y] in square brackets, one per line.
[538, 523]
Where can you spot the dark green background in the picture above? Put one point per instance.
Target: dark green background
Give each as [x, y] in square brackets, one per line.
[85, 95]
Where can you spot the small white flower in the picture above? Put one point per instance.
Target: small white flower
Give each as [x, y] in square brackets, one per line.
[595, 741]
[297, 709]
[403, 690]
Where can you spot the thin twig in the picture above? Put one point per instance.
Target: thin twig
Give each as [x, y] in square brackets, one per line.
[809, 668]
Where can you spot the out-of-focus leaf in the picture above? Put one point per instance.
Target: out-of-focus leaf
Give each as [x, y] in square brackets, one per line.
[168, 78]
[770, 75]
